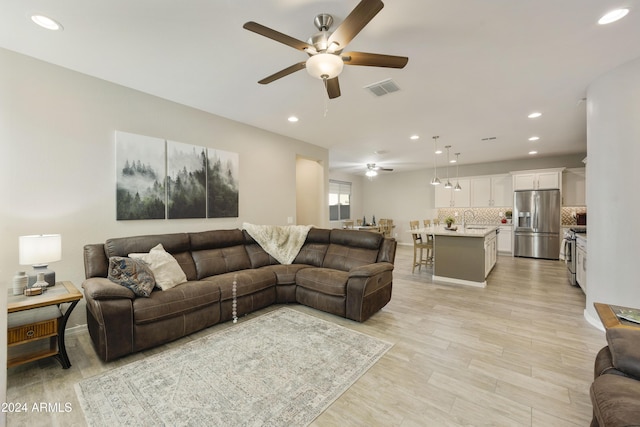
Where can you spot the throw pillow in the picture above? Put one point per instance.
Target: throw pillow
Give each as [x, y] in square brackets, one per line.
[164, 266]
[624, 344]
[133, 274]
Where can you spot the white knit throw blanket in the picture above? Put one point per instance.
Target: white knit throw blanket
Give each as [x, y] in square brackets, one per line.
[281, 242]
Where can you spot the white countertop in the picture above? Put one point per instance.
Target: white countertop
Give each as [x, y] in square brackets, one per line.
[468, 231]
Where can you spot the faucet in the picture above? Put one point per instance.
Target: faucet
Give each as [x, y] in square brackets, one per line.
[464, 217]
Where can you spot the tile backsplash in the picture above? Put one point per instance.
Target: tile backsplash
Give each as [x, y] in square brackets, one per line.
[492, 215]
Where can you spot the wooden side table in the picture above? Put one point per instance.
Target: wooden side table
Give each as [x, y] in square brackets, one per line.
[32, 320]
[608, 316]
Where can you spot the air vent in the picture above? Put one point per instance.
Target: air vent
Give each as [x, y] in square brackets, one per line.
[382, 88]
[489, 138]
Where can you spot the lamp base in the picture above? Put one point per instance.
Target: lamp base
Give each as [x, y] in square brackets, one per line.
[49, 275]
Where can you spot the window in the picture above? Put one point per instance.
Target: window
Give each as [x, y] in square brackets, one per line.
[339, 200]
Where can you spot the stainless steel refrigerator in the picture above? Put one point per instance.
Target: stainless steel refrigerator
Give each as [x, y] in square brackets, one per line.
[536, 227]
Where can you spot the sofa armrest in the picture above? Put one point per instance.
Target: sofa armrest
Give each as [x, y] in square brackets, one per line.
[109, 317]
[101, 288]
[368, 290]
[624, 345]
[370, 270]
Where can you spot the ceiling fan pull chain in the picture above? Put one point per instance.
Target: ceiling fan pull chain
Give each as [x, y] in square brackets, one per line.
[326, 98]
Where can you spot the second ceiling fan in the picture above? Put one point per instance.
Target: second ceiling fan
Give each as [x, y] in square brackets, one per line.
[325, 48]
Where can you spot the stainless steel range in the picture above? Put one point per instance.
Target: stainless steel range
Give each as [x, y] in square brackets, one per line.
[570, 257]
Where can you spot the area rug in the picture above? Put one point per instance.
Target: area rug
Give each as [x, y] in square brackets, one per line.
[283, 368]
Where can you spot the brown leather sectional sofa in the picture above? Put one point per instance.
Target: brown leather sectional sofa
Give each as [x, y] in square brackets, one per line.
[344, 272]
[615, 391]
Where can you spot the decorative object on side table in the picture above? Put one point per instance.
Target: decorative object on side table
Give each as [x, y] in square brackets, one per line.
[20, 282]
[39, 251]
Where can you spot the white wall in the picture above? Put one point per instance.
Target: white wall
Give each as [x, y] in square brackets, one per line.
[613, 174]
[57, 161]
[310, 193]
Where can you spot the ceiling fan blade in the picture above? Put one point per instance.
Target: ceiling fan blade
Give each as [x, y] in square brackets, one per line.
[333, 88]
[386, 169]
[355, 22]
[282, 73]
[374, 59]
[276, 35]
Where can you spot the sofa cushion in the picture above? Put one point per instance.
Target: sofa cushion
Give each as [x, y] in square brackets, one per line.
[210, 262]
[314, 248]
[324, 280]
[177, 244]
[165, 268]
[247, 282]
[133, 274]
[258, 256]
[285, 274]
[177, 301]
[624, 345]
[345, 258]
[615, 400]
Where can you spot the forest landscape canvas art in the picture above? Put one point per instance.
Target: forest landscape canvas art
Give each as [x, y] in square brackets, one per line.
[159, 179]
[140, 180]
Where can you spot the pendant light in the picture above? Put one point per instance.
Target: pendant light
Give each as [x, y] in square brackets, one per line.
[435, 180]
[457, 187]
[448, 183]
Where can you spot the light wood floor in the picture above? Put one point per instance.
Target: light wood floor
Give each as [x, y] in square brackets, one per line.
[517, 353]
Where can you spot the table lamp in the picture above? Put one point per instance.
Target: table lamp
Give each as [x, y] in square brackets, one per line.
[38, 251]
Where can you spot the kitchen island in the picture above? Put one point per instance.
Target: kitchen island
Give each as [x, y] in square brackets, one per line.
[464, 256]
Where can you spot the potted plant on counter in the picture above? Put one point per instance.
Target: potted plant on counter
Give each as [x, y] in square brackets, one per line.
[508, 214]
[449, 221]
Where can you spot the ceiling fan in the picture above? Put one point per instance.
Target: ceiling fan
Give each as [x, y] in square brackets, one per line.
[372, 169]
[324, 48]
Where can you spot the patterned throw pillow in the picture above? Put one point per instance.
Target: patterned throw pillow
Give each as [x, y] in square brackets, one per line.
[165, 268]
[133, 274]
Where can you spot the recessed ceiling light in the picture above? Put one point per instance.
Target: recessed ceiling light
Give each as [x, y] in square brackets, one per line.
[534, 115]
[613, 16]
[438, 151]
[534, 138]
[414, 137]
[293, 119]
[533, 152]
[452, 161]
[46, 22]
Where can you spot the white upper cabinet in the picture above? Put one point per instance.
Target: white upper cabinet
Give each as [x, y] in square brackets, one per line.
[573, 187]
[542, 179]
[447, 198]
[488, 191]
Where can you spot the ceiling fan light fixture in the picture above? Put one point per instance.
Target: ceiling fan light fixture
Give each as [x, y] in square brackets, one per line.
[324, 66]
[371, 173]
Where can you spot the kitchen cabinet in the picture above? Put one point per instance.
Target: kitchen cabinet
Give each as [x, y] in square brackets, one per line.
[447, 198]
[490, 253]
[581, 263]
[574, 187]
[505, 239]
[542, 179]
[488, 191]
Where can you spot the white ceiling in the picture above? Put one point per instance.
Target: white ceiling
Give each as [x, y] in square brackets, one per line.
[476, 68]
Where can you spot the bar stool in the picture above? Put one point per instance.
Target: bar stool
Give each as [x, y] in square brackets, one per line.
[418, 248]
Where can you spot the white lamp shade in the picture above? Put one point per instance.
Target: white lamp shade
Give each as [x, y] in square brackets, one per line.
[40, 249]
[324, 65]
